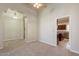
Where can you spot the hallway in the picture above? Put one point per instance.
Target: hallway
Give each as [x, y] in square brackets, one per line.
[21, 48]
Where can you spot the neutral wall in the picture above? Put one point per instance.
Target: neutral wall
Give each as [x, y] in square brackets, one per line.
[47, 32]
[48, 24]
[1, 32]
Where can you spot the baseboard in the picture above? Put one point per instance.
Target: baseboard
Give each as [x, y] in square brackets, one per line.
[74, 51]
[68, 47]
[28, 41]
[12, 39]
[48, 43]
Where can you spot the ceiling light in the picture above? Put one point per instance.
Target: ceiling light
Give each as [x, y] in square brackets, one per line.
[34, 5]
[40, 4]
[37, 5]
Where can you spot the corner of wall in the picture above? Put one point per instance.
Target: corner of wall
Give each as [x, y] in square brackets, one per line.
[70, 49]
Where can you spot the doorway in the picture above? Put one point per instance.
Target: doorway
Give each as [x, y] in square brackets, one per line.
[62, 31]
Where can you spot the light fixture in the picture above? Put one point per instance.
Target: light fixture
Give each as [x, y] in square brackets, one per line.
[37, 5]
[40, 4]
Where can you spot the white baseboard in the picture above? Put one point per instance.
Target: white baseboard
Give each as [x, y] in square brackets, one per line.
[68, 47]
[28, 41]
[12, 39]
[74, 51]
[47, 43]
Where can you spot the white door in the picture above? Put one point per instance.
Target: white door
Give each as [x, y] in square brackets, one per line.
[13, 28]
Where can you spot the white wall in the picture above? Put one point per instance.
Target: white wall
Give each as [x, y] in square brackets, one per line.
[31, 16]
[48, 25]
[74, 45]
[1, 32]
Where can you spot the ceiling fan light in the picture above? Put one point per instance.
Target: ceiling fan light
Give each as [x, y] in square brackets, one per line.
[37, 6]
[34, 5]
[40, 4]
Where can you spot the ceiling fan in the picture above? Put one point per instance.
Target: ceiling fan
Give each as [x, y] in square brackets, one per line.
[39, 5]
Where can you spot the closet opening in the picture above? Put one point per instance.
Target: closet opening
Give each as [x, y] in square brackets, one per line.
[62, 31]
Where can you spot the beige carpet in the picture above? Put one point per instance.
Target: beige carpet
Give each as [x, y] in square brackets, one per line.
[21, 48]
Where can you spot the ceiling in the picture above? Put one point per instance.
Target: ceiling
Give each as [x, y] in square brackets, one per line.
[30, 5]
